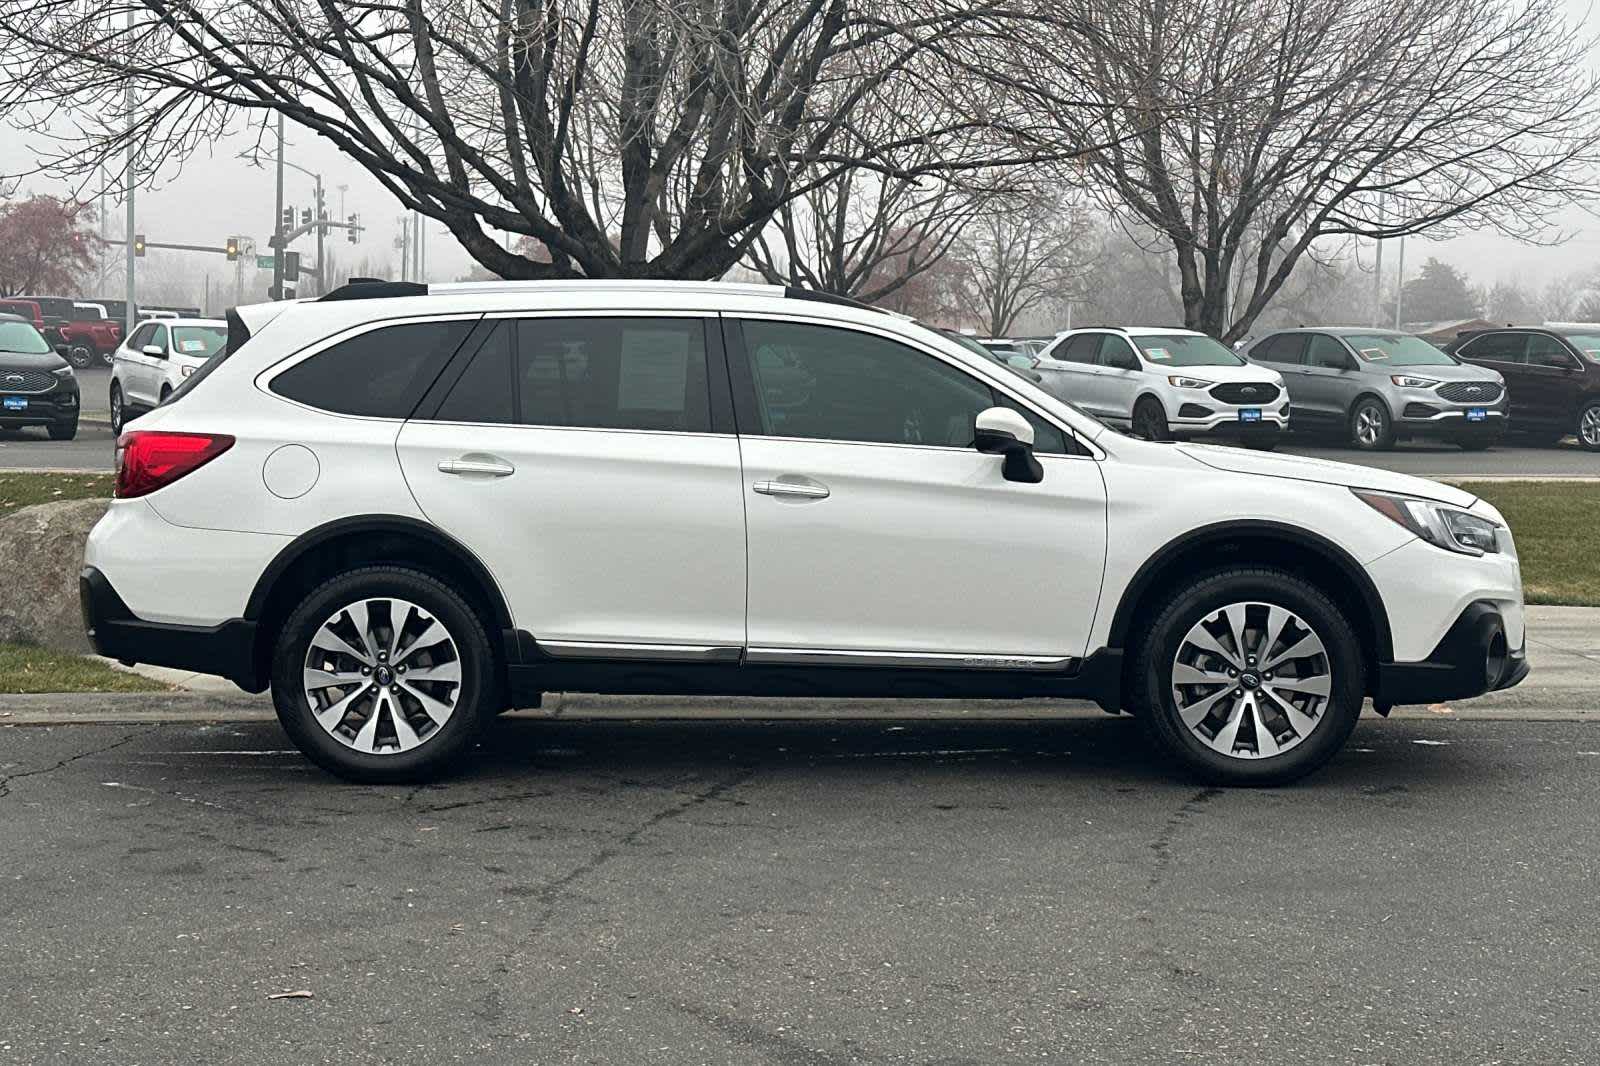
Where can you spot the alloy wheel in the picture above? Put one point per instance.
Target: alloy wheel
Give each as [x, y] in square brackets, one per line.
[1369, 426]
[116, 410]
[1589, 427]
[1251, 680]
[382, 676]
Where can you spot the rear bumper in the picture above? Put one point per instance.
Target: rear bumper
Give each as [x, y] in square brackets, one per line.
[226, 649]
[1472, 658]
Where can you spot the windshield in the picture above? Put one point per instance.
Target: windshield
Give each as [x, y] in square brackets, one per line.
[21, 337]
[201, 342]
[1182, 349]
[1587, 343]
[1394, 349]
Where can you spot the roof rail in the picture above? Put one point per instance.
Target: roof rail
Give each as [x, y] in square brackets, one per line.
[374, 289]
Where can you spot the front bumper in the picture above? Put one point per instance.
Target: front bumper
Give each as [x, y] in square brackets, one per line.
[1473, 657]
[226, 649]
[1223, 420]
[43, 408]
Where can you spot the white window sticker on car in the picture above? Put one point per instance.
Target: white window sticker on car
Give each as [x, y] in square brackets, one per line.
[192, 346]
[1158, 355]
[1374, 355]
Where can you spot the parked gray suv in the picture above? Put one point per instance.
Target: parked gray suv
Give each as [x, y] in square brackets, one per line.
[1376, 386]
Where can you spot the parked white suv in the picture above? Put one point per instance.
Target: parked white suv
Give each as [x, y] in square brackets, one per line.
[156, 358]
[1165, 383]
[407, 508]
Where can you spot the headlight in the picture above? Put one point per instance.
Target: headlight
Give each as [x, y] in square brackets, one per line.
[1190, 383]
[186, 370]
[1406, 381]
[62, 371]
[1439, 524]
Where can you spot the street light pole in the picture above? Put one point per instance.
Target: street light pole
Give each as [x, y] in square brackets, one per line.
[319, 212]
[277, 222]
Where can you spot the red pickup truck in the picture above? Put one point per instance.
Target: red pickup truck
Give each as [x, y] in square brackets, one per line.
[87, 334]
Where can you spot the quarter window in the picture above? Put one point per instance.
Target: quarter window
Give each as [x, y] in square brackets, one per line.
[378, 374]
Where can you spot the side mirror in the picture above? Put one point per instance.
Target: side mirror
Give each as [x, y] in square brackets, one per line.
[1001, 431]
[155, 350]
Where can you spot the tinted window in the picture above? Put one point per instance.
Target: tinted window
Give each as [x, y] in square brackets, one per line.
[613, 373]
[838, 384]
[1496, 347]
[379, 374]
[1080, 348]
[1587, 343]
[1116, 352]
[141, 337]
[1324, 351]
[1286, 348]
[486, 391]
[1547, 351]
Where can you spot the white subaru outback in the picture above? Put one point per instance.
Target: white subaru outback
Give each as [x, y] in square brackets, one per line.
[407, 508]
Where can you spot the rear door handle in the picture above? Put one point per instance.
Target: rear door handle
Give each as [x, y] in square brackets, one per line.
[481, 465]
[809, 490]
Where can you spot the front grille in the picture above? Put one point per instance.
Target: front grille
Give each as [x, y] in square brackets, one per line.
[26, 381]
[1470, 391]
[1247, 392]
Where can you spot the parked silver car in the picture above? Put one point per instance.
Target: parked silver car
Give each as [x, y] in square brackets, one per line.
[1376, 386]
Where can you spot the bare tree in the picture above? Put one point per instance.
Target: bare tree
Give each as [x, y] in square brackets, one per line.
[679, 126]
[1024, 253]
[1255, 128]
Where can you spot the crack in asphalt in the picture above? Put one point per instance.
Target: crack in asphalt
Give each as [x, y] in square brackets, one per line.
[5, 782]
[1161, 847]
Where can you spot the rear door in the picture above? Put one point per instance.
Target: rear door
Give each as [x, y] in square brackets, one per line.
[579, 459]
[879, 535]
[1285, 353]
[1069, 371]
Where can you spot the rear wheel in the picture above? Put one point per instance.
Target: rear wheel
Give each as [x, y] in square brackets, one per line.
[384, 674]
[1589, 427]
[1249, 677]
[1371, 429]
[1150, 420]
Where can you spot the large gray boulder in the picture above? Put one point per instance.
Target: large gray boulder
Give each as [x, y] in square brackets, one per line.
[41, 552]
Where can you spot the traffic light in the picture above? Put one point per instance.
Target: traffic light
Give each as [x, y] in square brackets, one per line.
[291, 265]
[354, 233]
[138, 244]
[232, 249]
[287, 221]
[305, 216]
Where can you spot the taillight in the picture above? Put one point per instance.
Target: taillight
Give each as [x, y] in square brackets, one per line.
[150, 459]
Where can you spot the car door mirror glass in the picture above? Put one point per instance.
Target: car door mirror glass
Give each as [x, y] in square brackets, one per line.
[1001, 431]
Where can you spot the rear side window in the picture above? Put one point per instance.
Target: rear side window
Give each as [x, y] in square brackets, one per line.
[379, 374]
[612, 373]
[1285, 348]
[1080, 348]
[485, 391]
[1496, 347]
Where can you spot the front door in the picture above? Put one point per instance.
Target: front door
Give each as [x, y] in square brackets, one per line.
[878, 534]
[1507, 353]
[577, 458]
[1329, 380]
[1121, 377]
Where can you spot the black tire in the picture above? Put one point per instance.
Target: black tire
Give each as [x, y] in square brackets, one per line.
[166, 390]
[119, 409]
[1371, 428]
[64, 430]
[108, 357]
[1150, 420]
[81, 356]
[1588, 429]
[477, 698]
[1153, 668]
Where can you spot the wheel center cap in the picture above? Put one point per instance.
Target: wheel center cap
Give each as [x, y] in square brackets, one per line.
[383, 675]
[1249, 680]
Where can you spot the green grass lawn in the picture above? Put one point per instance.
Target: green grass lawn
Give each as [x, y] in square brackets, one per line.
[24, 490]
[1554, 523]
[26, 668]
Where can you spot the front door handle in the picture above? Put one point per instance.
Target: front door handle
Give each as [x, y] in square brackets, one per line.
[809, 490]
[482, 465]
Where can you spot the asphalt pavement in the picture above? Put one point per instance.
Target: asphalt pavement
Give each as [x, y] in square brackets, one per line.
[799, 893]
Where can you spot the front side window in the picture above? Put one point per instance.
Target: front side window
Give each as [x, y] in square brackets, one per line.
[1395, 349]
[381, 373]
[827, 383]
[1117, 353]
[1547, 351]
[1185, 349]
[1587, 343]
[158, 337]
[1325, 352]
[141, 337]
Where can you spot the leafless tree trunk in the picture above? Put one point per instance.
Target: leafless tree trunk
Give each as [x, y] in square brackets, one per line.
[1024, 253]
[1245, 131]
[636, 138]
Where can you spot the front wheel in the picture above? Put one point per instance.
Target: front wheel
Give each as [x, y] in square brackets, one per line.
[64, 430]
[1371, 429]
[1249, 677]
[1150, 420]
[1475, 444]
[384, 675]
[1589, 428]
[119, 413]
